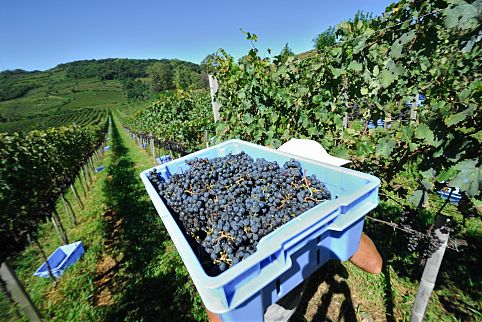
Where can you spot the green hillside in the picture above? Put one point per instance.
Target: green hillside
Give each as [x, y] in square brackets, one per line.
[84, 90]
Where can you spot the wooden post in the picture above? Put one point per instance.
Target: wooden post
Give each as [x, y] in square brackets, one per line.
[7, 294]
[413, 110]
[68, 207]
[91, 164]
[16, 289]
[67, 212]
[60, 228]
[87, 173]
[76, 195]
[57, 229]
[388, 120]
[430, 273]
[213, 86]
[44, 256]
[345, 120]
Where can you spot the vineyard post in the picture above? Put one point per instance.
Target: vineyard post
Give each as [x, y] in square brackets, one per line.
[91, 163]
[18, 292]
[87, 173]
[388, 119]
[430, 272]
[67, 212]
[76, 195]
[60, 227]
[57, 229]
[345, 120]
[82, 182]
[68, 207]
[413, 109]
[44, 256]
[7, 294]
[213, 86]
[153, 148]
[84, 174]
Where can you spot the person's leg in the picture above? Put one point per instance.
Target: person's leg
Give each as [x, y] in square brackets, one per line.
[367, 257]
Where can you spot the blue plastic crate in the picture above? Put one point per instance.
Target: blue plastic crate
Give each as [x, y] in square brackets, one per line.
[61, 258]
[107, 148]
[455, 197]
[290, 254]
[163, 159]
[99, 169]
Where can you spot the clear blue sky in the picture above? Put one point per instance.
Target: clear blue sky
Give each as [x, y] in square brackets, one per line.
[39, 34]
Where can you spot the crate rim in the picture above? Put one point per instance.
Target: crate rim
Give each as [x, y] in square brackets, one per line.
[195, 269]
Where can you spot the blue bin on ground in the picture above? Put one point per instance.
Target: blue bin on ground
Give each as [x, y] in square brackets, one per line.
[163, 159]
[455, 196]
[290, 254]
[371, 125]
[61, 258]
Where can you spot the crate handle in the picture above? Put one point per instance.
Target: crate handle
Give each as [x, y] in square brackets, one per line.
[291, 246]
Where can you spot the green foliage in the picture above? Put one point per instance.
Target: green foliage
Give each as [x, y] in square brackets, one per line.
[107, 69]
[34, 169]
[58, 101]
[181, 116]
[80, 117]
[167, 75]
[326, 39]
[376, 68]
[283, 56]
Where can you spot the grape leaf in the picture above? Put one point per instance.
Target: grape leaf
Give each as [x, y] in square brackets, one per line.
[469, 178]
[385, 147]
[462, 15]
[376, 71]
[397, 46]
[424, 133]
[387, 78]
[419, 198]
[355, 66]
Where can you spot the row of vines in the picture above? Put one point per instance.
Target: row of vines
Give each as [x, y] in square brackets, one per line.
[179, 116]
[81, 117]
[374, 71]
[36, 169]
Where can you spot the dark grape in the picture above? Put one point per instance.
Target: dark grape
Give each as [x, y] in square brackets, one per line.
[227, 204]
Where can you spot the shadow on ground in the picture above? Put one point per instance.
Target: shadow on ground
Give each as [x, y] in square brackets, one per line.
[138, 277]
[332, 273]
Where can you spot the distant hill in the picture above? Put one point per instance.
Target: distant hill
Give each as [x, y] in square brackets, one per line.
[39, 99]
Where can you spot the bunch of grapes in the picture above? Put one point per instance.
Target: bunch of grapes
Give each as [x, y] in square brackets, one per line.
[227, 204]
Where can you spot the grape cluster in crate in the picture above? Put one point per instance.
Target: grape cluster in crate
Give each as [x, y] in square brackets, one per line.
[227, 204]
